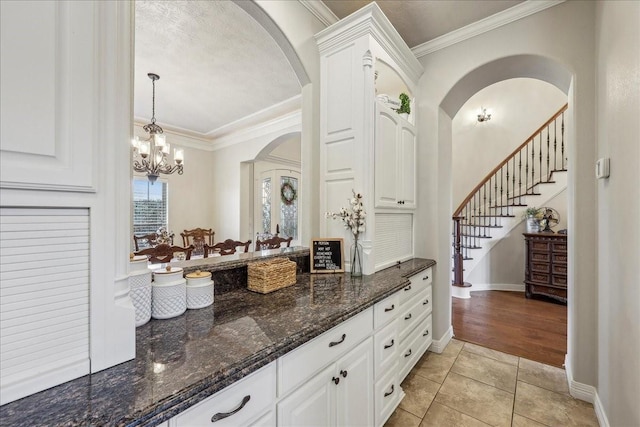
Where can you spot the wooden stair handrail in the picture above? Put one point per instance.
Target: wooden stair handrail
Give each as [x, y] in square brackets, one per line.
[497, 168]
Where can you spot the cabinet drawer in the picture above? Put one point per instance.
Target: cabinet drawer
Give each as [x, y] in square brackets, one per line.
[560, 258]
[266, 420]
[540, 278]
[539, 256]
[560, 247]
[386, 344]
[541, 267]
[417, 343]
[235, 405]
[559, 280]
[540, 246]
[386, 310]
[418, 282]
[409, 318]
[559, 269]
[387, 395]
[297, 366]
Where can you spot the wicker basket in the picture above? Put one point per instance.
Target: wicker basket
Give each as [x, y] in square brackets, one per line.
[271, 275]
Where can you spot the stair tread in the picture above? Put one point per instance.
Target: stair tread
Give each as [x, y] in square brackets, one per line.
[494, 216]
[509, 205]
[471, 247]
[473, 235]
[483, 226]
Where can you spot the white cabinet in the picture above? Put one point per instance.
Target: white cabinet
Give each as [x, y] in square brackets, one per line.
[340, 395]
[395, 160]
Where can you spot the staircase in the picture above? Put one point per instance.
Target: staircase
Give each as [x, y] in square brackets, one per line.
[530, 176]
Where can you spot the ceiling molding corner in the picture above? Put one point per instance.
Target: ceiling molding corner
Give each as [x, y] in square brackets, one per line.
[320, 11]
[489, 23]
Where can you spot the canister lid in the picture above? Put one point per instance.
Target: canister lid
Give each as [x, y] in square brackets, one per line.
[198, 274]
[168, 270]
[137, 258]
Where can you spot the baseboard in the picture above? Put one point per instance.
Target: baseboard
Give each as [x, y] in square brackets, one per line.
[513, 287]
[585, 392]
[438, 346]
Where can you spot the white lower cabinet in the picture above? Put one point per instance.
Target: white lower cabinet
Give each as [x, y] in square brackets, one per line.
[348, 376]
[340, 395]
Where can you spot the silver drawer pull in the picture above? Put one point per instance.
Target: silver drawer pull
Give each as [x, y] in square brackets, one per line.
[222, 415]
[389, 345]
[332, 343]
[389, 309]
[408, 354]
[407, 317]
[389, 393]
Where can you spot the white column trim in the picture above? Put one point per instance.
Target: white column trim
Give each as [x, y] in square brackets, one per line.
[585, 392]
[438, 346]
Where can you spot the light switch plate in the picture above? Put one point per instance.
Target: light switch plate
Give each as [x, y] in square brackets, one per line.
[602, 168]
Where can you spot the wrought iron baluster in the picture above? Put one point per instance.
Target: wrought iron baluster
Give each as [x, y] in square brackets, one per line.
[533, 167]
[562, 141]
[540, 158]
[548, 152]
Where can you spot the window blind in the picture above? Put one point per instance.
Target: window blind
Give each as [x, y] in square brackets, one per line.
[149, 205]
[44, 298]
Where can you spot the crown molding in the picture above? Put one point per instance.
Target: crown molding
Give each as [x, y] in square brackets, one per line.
[320, 11]
[371, 21]
[282, 161]
[489, 23]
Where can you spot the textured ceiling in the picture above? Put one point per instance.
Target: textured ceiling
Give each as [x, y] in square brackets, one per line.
[216, 65]
[419, 21]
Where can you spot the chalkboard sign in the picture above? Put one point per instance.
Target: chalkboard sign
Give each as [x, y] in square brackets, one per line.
[326, 256]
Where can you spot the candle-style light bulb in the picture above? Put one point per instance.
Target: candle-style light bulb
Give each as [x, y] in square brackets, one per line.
[145, 148]
[178, 155]
[159, 139]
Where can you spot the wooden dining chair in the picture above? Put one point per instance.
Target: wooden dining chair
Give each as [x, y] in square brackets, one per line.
[227, 247]
[273, 243]
[164, 253]
[198, 237]
[145, 240]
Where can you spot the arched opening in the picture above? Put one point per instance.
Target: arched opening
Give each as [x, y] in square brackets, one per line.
[500, 70]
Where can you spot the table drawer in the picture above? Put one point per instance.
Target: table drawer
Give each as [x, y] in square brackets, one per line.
[296, 367]
[386, 310]
[410, 317]
[237, 404]
[385, 348]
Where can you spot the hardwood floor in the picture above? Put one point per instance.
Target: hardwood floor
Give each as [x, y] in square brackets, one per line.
[508, 322]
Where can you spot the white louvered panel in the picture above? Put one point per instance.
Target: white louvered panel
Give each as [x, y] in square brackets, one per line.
[44, 298]
[394, 238]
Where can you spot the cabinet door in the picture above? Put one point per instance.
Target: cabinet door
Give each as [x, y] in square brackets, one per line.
[407, 166]
[386, 160]
[355, 390]
[313, 404]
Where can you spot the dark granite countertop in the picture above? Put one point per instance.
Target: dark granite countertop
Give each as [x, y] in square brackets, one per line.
[183, 360]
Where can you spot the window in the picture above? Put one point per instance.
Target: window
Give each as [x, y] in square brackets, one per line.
[150, 205]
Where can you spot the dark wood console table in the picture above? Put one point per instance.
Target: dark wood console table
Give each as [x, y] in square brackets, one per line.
[545, 271]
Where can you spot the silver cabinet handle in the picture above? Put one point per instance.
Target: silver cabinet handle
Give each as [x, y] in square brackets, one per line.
[332, 343]
[222, 415]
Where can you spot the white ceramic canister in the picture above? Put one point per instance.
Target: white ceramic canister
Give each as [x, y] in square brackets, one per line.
[140, 288]
[199, 289]
[169, 293]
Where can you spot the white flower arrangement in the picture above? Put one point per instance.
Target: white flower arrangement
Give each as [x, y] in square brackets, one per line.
[353, 217]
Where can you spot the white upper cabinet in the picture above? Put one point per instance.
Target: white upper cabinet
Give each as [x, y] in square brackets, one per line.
[363, 58]
[395, 160]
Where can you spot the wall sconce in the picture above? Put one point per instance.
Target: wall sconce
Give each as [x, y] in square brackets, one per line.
[483, 116]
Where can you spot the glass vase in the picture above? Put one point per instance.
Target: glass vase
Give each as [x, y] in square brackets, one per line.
[355, 257]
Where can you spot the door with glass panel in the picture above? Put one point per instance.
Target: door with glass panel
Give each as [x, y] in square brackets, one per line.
[276, 206]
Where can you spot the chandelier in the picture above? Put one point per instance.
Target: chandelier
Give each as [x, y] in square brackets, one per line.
[483, 116]
[152, 155]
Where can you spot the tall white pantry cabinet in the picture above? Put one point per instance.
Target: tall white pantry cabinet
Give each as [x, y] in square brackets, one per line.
[65, 123]
[365, 145]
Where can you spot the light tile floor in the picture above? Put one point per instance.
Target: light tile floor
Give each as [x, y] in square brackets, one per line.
[469, 385]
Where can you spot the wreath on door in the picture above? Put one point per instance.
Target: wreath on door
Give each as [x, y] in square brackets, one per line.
[287, 194]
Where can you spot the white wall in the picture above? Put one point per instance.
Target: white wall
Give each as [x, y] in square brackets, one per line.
[519, 107]
[618, 207]
[561, 40]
